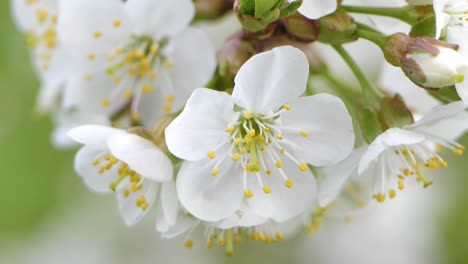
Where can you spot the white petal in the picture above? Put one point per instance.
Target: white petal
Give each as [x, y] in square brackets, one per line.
[25, 15]
[462, 90]
[337, 176]
[81, 19]
[89, 173]
[244, 217]
[440, 113]
[206, 197]
[189, 71]
[89, 94]
[183, 224]
[151, 105]
[442, 19]
[283, 203]
[390, 138]
[448, 121]
[270, 79]
[314, 9]
[328, 124]
[129, 211]
[93, 135]
[141, 156]
[66, 120]
[200, 127]
[159, 18]
[169, 202]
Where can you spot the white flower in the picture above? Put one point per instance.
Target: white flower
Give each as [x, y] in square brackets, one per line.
[37, 19]
[113, 160]
[258, 154]
[314, 9]
[399, 153]
[140, 52]
[436, 68]
[452, 25]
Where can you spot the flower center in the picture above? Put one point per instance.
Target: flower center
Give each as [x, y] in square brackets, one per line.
[43, 38]
[131, 187]
[257, 144]
[410, 158]
[134, 69]
[458, 14]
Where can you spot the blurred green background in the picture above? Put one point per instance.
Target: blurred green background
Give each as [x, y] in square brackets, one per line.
[37, 181]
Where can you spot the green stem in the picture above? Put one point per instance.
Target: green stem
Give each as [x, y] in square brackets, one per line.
[229, 243]
[406, 14]
[370, 93]
[376, 38]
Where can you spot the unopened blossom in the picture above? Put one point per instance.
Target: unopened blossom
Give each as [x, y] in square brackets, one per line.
[134, 168]
[254, 147]
[399, 154]
[38, 19]
[137, 53]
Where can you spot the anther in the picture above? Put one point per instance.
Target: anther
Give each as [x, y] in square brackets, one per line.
[401, 185]
[211, 154]
[248, 193]
[267, 189]
[248, 114]
[215, 171]
[117, 23]
[97, 34]
[188, 244]
[289, 183]
[279, 164]
[392, 193]
[287, 107]
[303, 167]
[304, 133]
[105, 102]
[235, 156]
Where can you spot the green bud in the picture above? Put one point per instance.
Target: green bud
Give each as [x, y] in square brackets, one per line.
[301, 28]
[395, 113]
[337, 28]
[235, 52]
[370, 125]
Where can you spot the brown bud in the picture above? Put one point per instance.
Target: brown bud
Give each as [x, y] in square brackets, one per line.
[301, 28]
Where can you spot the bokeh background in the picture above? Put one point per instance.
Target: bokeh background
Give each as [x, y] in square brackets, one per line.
[48, 216]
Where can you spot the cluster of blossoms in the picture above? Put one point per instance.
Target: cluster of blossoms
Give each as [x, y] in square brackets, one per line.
[260, 152]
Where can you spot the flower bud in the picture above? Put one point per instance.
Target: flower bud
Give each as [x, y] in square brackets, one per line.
[301, 28]
[430, 63]
[395, 113]
[337, 28]
[235, 52]
[210, 9]
[255, 16]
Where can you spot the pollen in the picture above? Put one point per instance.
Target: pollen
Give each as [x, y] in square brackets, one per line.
[229, 129]
[126, 193]
[303, 167]
[117, 80]
[380, 197]
[42, 15]
[235, 156]
[105, 102]
[147, 88]
[279, 164]
[215, 172]
[117, 23]
[167, 109]
[392, 193]
[127, 94]
[97, 34]
[154, 49]
[248, 193]
[304, 133]
[95, 162]
[168, 64]
[459, 151]
[401, 185]
[188, 244]
[211, 154]
[282, 150]
[287, 107]
[209, 244]
[289, 183]
[136, 116]
[170, 98]
[91, 56]
[248, 114]
[279, 137]
[267, 189]
[268, 172]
